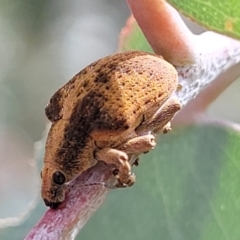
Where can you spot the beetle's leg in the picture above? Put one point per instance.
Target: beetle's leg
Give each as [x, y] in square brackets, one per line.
[140, 144]
[120, 159]
[160, 121]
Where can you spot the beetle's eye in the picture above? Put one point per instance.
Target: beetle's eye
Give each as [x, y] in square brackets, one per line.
[58, 178]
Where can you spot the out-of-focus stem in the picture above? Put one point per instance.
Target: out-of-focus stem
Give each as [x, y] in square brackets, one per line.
[164, 30]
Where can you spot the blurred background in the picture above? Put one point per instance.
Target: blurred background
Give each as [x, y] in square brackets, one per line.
[42, 45]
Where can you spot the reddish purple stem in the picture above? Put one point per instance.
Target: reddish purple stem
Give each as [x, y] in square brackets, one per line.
[85, 192]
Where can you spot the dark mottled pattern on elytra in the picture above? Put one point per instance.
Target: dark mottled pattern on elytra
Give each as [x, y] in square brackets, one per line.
[54, 107]
[87, 116]
[108, 98]
[102, 78]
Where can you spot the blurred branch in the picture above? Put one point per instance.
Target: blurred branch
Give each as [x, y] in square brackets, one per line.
[200, 60]
[165, 31]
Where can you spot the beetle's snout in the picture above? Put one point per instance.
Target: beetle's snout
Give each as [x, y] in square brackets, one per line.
[52, 205]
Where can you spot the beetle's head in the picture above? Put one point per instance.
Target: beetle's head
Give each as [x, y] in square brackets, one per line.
[53, 186]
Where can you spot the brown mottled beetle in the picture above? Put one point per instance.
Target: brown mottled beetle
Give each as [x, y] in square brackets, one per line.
[111, 109]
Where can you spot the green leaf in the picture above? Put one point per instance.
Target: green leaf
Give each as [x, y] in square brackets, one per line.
[187, 188]
[220, 16]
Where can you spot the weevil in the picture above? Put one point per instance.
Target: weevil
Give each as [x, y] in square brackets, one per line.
[111, 109]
